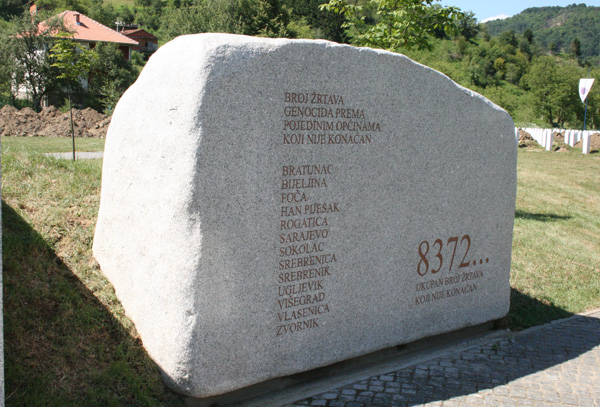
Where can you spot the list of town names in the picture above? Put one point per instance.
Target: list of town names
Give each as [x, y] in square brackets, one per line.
[306, 211]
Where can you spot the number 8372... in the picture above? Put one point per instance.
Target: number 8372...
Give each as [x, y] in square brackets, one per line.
[434, 257]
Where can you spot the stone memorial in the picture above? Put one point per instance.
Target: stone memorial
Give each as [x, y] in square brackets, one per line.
[585, 148]
[270, 206]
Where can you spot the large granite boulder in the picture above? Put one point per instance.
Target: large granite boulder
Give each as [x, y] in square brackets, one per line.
[270, 206]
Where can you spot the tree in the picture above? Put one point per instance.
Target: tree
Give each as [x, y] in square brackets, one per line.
[264, 18]
[11, 8]
[528, 35]
[72, 62]
[322, 23]
[508, 38]
[467, 26]
[103, 13]
[61, 5]
[125, 14]
[554, 87]
[110, 75]
[150, 14]
[399, 23]
[26, 62]
[575, 48]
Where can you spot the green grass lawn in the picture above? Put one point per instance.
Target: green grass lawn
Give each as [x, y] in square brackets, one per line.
[50, 145]
[68, 341]
[556, 240]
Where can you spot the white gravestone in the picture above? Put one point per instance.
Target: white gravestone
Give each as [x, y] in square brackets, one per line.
[586, 143]
[266, 208]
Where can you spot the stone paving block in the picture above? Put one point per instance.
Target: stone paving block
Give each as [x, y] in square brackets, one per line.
[538, 380]
[364, 399]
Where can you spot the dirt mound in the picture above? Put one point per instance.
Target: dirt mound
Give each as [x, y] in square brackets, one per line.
[524, 136]
[559, 137]
[525, 139]
[561, 149]
[24, 122]
[594, 142]
[51, 122]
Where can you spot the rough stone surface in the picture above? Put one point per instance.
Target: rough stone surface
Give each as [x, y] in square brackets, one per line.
[246, 244]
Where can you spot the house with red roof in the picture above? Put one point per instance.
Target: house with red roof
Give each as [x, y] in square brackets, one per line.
[85, 31]
[147, 43]
[90, 32]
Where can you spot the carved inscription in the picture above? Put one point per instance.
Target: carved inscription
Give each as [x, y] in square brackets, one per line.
[452, 260]
[324, 119]
[306, 261]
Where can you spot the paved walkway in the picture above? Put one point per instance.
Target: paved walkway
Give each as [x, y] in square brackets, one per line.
[557, 364]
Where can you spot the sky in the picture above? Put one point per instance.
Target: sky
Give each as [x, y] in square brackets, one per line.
[485, 9]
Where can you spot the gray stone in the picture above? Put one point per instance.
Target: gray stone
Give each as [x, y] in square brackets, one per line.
[267, 209]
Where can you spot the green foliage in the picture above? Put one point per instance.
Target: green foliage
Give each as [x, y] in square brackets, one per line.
[555, 88]
[575, 48]
[23, 63]
[322, 23]
[12, 8]
[111, 75]
[532, 87]
[103, 13]
[266, 18]
[83, 6]
[467, 26]
[126, 14]
[555, 28]
[72, 61]
[398, 23]
[263, 18]
[149, 16]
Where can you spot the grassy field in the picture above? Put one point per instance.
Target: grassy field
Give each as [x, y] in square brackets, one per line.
[69, 343]
[67, 339]
[50, 145]
[556, 240]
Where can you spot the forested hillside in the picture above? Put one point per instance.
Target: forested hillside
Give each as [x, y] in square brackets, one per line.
[529, 64]
[556, 28]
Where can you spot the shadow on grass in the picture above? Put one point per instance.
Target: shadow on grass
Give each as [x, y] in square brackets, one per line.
[63, 347]
[541, 217]
[526, 311]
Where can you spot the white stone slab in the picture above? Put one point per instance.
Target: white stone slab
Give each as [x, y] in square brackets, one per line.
[549, 140]
[266, 208]
[586, 143]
